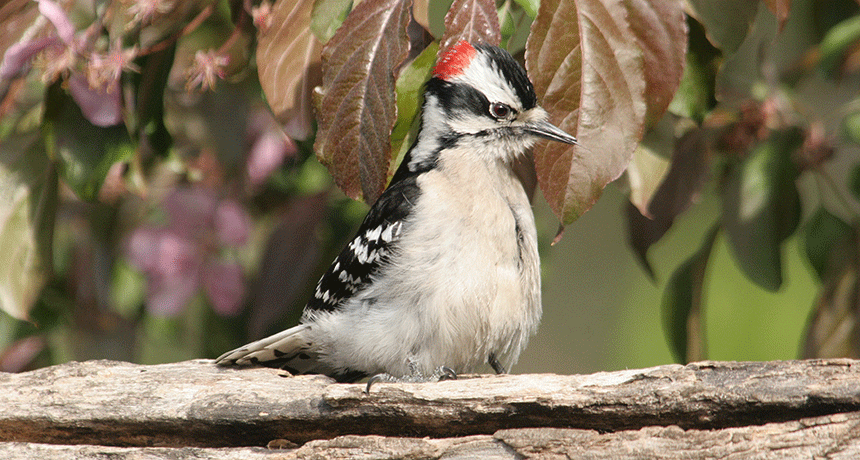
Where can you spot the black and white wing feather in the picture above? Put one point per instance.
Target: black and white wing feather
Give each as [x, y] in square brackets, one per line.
[372, 247]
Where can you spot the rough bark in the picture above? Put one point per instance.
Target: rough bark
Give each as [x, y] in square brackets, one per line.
[788, 409]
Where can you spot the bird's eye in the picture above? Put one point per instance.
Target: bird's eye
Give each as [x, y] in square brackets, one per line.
[499, 110]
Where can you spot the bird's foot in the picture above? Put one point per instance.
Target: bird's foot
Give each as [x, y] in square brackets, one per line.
[414, 376]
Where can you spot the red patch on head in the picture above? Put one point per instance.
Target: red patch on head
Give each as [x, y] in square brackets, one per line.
[454, 60]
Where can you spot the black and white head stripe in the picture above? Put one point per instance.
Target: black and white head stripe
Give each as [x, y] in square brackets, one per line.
[492, 74]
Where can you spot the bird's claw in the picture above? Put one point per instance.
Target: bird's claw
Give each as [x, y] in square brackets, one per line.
[414, 376]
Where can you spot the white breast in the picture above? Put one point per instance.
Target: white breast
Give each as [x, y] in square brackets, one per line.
[468, 286]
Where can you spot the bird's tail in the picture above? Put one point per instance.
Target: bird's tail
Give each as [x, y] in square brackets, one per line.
[288, 350]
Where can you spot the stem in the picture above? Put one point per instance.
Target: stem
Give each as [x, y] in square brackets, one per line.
[195, 23]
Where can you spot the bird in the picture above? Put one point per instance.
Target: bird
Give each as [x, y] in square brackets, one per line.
[443, 274]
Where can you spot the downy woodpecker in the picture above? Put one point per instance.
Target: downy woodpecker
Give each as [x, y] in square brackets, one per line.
[444, 273]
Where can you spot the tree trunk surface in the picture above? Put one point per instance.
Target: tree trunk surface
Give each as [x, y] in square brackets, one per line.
[194, 409]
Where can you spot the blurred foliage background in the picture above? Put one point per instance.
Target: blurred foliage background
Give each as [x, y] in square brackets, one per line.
[152, 208]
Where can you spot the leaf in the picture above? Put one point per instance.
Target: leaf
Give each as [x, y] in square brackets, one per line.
[696, 93]
[84, 152]
[475, 21]
[683, 304]
[288, 61]
[515, 24]
[854, 182]
[645, 173]
[661, 30]
[148, 88]
[327, 16]
[851, 128]
[780, 8]
[409, 99]
[761, 207]
[587, 70]
[530, 6]
[838, 40]
[430, 14]
[725, 31]
[823, 233]
[356, 103]
[28, 206]
[833, 331]
[650, 162]
[680, 188]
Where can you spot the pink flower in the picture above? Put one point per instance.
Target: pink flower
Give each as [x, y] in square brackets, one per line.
[208, 67]
[184, 255]
[270, 147]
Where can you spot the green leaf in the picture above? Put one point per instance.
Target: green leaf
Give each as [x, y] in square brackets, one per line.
[433, 12]
[761, 207]
[84, 152]
[854, 182]
[28, 205]
[823, 233]
[838, 40]
[851, 127]
[515, 24]
[149, 86]
[727, 22]
[327, 16]
[529, 6]
[677, 190]
[695, 95]
[409, 99]
[833, 327]
[682, 305]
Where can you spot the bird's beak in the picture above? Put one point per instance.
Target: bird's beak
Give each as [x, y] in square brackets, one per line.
[549, 131]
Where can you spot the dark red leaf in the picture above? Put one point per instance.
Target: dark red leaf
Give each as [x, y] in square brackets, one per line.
[475, 21]
[660, 27]
[588, 71]
[288, 57]
[356, 103]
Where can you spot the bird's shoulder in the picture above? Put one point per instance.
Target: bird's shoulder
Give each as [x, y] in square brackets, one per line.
[371, 247]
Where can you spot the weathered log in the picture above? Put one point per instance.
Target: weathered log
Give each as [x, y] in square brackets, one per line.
[198, 407]
[834, 437]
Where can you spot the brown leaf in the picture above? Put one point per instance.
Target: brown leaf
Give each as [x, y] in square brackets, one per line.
[356, 102]
[587, 70]
[780, 8]
[475, 21]
[660, 28]
[288, 61]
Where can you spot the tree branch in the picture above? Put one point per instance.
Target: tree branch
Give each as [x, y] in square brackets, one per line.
[700, 410]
